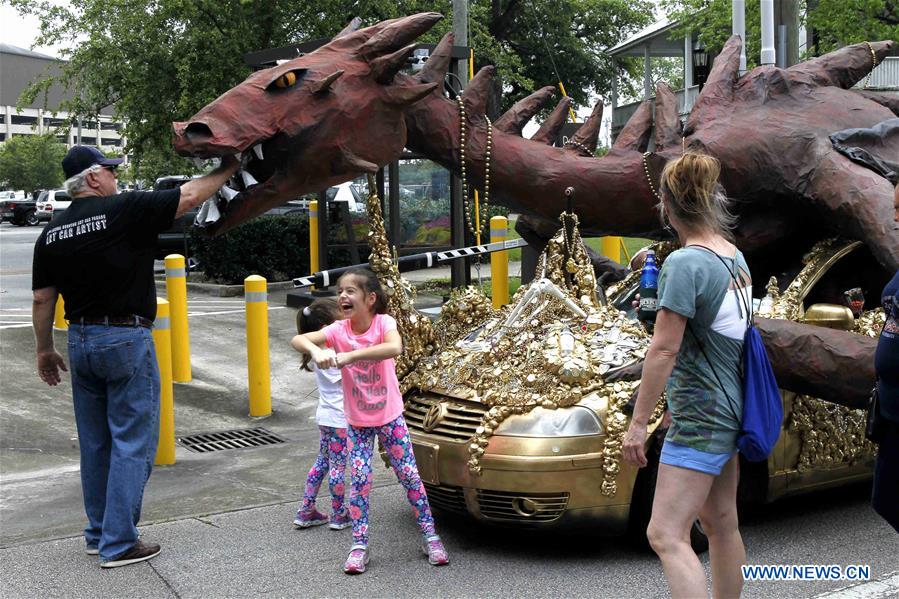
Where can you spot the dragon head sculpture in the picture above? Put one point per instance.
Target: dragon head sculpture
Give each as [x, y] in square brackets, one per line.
[310, 123]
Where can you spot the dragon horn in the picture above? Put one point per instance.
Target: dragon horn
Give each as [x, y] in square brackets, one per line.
[399, 33]
[323, 85]
[357, 163]
[438, 62]
[635, 133]
[844, 67]
[668, 126]
[588, 133]
[407, 94]
[477, 90]
[514, 120]
[385, 67]
[351, 27]
[719, 88]
[550, 128]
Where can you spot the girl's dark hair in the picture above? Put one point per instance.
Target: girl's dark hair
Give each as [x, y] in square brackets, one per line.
[313, 317]
[370, 284]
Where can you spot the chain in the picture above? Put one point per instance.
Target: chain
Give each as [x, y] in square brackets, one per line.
[873, 63]
[652, 187]
[484, 209]
[586, 151]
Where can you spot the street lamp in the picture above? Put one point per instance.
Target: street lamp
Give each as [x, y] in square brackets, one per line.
[700, 64]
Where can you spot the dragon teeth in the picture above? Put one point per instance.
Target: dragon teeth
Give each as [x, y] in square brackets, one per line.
[257, 149]
[248, 179]
[228, 193]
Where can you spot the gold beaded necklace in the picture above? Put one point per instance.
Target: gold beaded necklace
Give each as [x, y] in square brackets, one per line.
[483, 210]
[652, 187]
[873, 62]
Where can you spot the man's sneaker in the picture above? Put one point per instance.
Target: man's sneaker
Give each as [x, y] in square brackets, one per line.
[356, 560]
[433, 548]
[310, 518]
[340, 522]
[92, 550]
[139, 552]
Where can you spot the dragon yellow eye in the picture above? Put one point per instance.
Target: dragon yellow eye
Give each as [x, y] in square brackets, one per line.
[286, 80]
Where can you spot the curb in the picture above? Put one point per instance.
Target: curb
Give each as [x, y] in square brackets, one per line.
[216, 290]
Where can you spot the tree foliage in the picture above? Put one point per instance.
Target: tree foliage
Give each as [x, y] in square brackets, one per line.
[31, 162]
[160, 61]
[835, 23]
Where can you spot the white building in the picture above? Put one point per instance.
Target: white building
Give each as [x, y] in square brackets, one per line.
[18, 68]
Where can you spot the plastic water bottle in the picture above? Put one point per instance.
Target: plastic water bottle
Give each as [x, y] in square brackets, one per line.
[649, 287]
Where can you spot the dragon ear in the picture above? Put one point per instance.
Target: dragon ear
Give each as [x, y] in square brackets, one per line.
[323, 85]
[668, 126]
[475, 95]
[385, 67]
[588, 133]
[635, 133]
[398, 33]
[402, 95]
[438, 62]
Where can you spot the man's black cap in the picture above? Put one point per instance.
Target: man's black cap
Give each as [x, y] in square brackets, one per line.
[82, 157]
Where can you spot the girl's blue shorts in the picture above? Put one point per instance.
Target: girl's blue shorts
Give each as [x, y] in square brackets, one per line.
[682, 456]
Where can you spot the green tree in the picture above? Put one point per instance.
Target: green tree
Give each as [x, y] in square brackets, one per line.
[31, 162]
[161, 61]
[835, 23]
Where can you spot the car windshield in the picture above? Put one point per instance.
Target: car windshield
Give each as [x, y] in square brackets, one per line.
[43, 196]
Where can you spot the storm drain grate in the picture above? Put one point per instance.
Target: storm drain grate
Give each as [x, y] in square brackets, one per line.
[236, 439]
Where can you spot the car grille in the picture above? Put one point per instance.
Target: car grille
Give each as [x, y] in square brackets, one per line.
[450, 499]
[521, 507]
[459, 423]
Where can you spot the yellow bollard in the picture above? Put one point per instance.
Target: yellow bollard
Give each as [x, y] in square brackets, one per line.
[59, 317]
[162, 339]
[258, 373]
[176, 291]
[499, 262]
[611, 248]
[313, 236]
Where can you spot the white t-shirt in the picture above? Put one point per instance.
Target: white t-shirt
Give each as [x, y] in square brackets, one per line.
[330, 398]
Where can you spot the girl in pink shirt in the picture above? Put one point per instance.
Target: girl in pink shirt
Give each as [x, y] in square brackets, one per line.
[363, 346]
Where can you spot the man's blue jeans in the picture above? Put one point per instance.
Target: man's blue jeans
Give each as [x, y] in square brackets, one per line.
[115, 384]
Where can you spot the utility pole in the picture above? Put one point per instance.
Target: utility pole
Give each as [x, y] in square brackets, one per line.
[738, 22]
[460, 272]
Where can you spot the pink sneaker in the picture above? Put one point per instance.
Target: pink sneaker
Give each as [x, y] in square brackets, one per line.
[309, 518]
[340, 521]
[433, 548]
[356, 560]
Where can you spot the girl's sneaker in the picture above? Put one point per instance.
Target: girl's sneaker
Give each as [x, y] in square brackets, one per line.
[340, 521]
[433, 548]
[309, 518]
[356, 560]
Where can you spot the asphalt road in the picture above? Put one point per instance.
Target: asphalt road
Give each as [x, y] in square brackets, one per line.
[224, 518]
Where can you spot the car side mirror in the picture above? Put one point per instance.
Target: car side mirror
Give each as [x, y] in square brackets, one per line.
[831, 316]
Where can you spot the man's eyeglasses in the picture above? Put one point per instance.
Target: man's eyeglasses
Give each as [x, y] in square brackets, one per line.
[111, 169]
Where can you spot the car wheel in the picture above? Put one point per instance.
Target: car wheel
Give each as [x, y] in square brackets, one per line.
[31, 218]
[19, 222]
[641, 502]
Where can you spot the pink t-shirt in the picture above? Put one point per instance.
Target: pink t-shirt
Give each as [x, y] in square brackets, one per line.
[371, 392]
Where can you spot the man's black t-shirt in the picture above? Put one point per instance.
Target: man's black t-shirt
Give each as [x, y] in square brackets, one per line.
[886, 359]
[99, 253]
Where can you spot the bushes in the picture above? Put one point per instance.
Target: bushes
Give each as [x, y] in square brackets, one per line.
[275, 247]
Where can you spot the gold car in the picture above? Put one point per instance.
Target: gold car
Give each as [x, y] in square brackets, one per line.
[558, 467]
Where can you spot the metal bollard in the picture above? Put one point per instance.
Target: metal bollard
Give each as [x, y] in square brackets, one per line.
[611, 248]
[258, 372]
[176, 291]
[313, 236]
[499, 262]
[162, 339]
[59, 316]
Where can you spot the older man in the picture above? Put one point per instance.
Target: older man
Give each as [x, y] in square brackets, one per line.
[99, 255]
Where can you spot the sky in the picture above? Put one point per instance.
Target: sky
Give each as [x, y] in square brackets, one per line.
[21, 31]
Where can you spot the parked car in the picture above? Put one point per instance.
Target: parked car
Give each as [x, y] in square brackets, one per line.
[175, 239]
[52, 202]
[20, 212]
[547, 468]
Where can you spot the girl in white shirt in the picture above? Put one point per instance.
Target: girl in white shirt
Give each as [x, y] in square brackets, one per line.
[331, 422]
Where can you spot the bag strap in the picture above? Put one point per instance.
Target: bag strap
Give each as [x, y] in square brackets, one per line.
[715, 372]
[738, 288]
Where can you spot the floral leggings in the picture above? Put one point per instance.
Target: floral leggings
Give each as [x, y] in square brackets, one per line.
[331, 459]
[395, 439]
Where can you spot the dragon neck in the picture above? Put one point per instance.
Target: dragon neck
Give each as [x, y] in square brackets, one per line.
[612, 193]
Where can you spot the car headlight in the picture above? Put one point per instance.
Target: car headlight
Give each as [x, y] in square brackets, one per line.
[576, 421]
